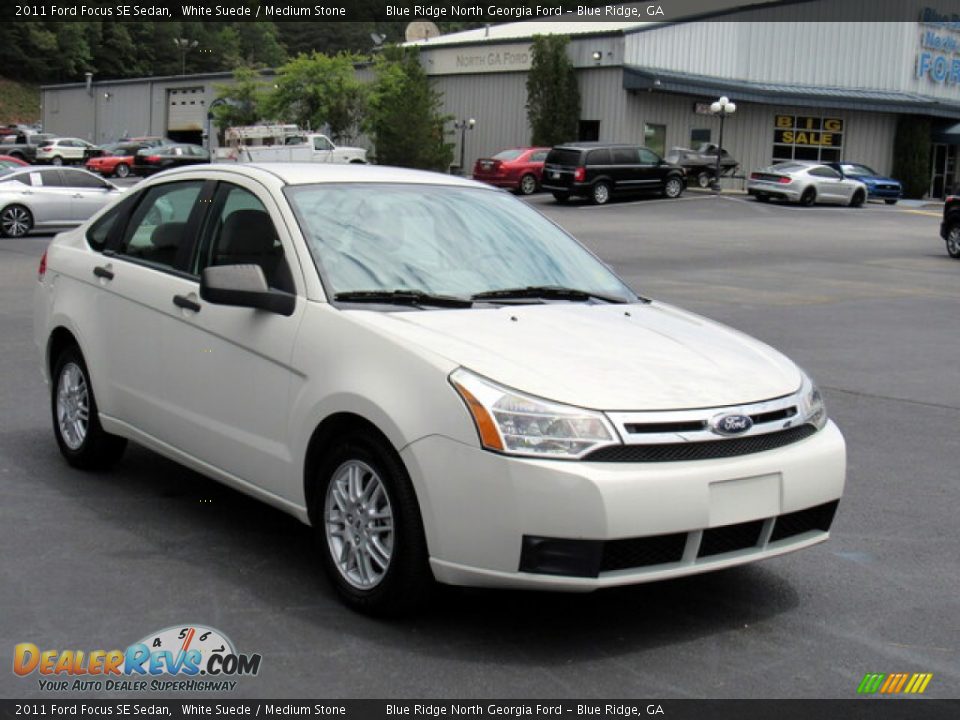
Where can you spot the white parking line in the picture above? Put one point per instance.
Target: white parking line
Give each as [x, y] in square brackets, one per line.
[644, 202]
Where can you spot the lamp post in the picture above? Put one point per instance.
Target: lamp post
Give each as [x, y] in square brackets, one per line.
[721, 107]
[463, 126]
[184, 46]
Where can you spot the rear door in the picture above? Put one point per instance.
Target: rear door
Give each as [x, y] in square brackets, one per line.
[626, 172]
[50, 200]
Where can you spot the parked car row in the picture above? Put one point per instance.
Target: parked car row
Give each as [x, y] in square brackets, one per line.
[808, 183]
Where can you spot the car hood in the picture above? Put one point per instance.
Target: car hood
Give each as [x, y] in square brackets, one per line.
[872, 179]
[608, 357]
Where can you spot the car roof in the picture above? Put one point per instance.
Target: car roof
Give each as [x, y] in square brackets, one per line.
[592, 145]
[307, 173]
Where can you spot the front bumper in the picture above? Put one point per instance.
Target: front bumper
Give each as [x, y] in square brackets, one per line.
[884, 193]
[478, 517]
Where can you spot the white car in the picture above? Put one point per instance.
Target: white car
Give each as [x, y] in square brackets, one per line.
[314, 148]
[44, 198]
[806, 183]
[439, 380]
[63, 151]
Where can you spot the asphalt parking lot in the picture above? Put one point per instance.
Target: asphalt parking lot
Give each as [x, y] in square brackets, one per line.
[866, 300]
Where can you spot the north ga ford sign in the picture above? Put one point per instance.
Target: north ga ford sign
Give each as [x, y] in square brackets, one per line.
[939, 57]
[495, 58]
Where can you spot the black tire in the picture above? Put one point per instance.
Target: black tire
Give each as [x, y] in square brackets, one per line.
[15, 221]
[673, 187]
[762, 198]
[600, 193]
[98, 449]
[122, 170]
[953, 240]
[528, 185]
[56, 160]
[704, 179]
[858, 199]
[891, 201]
[809, 197]
[561, 197]
[407, 581]
[18, 155]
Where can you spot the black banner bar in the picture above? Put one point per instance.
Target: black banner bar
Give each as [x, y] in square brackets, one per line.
[874, 708]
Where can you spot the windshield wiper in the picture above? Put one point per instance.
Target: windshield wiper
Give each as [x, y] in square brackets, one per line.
[546, 292]
[402, 297]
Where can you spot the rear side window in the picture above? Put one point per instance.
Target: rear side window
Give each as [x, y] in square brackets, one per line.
[564, 156]
[600, 156]
[538, 156]
[508, 154]
[157, 227]
[624, 156]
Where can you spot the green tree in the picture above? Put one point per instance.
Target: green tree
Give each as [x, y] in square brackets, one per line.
[245, 98]
[911, 155]
[404, 119]
[260, 45]
[553, 97]
[316, 90]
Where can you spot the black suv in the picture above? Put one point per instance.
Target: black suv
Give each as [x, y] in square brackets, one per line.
[600, 170]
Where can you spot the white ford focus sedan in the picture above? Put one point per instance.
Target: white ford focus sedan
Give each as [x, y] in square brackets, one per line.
[439, 380]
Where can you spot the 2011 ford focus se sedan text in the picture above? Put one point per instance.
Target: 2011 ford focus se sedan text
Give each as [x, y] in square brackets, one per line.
[438, 379]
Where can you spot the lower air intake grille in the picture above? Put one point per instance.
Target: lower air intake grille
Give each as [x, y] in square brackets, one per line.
[728, 538]
[680, 452]
[642, 552]
[795, 523]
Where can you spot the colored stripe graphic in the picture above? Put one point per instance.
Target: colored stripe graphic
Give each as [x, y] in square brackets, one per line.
[895, 683]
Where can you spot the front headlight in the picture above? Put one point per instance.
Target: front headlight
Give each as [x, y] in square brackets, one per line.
[812, 409]
[511, 422]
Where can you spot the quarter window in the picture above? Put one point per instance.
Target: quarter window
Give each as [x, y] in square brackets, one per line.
[157, 227]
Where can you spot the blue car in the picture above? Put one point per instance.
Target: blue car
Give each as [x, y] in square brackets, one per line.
[878, 186]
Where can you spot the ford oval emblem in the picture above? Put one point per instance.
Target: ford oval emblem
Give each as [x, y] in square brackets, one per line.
[731, 424]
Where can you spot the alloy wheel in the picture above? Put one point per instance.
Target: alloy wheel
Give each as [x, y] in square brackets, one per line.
[359, 524]
[73, 406]
[673, 188]
[528, 185]
[123, 170]
[15, 222]
[601, 193]
[953, 241]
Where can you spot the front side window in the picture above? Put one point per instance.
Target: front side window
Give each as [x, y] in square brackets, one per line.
[648, 157]
[448, 241]
[239, 231]
[80, 179]
[321, 143]
[157, 227]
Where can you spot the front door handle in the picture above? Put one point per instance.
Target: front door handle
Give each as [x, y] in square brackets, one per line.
[182, 301]
[102, 272]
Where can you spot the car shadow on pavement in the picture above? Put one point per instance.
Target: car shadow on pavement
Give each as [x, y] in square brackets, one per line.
[245, 549]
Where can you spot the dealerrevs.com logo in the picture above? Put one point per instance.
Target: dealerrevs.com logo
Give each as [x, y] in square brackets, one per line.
[187, 658]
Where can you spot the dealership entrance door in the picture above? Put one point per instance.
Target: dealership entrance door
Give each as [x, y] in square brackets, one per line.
[943, 169]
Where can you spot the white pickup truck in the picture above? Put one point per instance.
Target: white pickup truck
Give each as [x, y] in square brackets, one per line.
[309, 147]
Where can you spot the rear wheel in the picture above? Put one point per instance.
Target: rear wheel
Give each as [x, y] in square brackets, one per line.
[704, 179]
[367, 520]
[953, 241]
[528, 185]
[600, 193]
[673, 188]
[82, 440]
[15, 221]
[122, 170]
[57, 160]
[808, 197]
[859, 197]
[561, 197]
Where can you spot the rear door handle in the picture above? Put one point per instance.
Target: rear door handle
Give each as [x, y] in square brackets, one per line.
[182, 301]
[102, 272]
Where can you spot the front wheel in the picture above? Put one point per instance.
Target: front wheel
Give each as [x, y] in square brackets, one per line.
[561, 197]
[673, 187]
[704, 179]
[82, 440]
[122, 171]
[15, 221]
[368, 523]
[859, 197]
[528, 185]
[808, 197]
[953, 241]
[57, 160]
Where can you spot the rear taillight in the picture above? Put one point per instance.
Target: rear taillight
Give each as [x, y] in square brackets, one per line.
[754, 176]
[153, 158]
[42, 270]
[784, 180]
[46, 148]
[580, 174]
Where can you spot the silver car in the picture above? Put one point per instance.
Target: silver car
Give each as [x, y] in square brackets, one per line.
[49, 197]
[806, 183]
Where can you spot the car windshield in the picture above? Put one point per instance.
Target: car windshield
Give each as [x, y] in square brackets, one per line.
[449, 241]
[508, 154]
[857, 170]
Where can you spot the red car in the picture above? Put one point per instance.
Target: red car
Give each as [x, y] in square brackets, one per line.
[519, 169]
[114, 160]
[9, 162]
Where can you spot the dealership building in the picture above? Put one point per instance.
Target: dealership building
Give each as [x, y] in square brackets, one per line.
[805, 85]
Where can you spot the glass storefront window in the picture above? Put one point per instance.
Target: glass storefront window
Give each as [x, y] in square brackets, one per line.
[655, 138]
[807, 137]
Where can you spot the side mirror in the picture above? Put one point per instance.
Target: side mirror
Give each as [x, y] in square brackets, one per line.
[244, 286]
